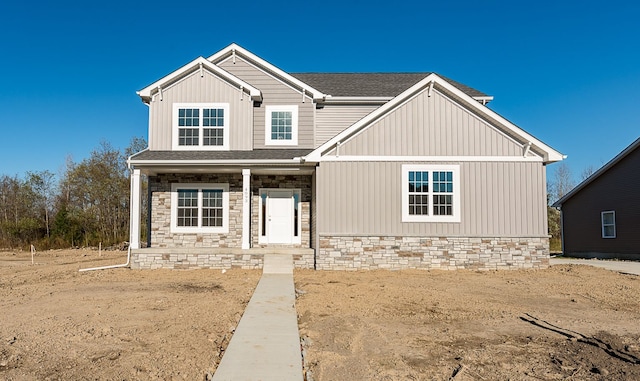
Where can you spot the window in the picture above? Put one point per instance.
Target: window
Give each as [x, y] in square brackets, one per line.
[200, 208]
[281, 125]
[201, 126]
[430, 193]
[608, 224]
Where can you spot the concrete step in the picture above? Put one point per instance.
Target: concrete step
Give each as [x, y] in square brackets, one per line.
[278, 264]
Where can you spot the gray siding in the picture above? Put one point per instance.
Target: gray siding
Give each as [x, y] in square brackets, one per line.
[431, 126]
[617, 189]
[333, 119]
[274, 92]
[196, 89]
[498, 199]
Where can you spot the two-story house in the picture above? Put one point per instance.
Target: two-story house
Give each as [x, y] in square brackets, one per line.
[345, 170]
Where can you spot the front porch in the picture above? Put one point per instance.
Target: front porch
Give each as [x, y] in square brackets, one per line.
[216, 258]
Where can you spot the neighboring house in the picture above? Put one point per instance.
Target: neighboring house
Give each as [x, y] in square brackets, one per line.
[345, 170]
[601, 216]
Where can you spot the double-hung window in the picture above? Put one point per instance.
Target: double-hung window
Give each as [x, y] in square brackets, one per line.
[281, 125]
[201, 126]
[430, 193]
[200, 208]
[608, 219]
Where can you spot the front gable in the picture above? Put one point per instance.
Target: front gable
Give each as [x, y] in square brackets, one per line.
[200, 89]
[430, 125]
[434, 119]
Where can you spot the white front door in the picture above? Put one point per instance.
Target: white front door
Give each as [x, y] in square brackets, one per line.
[280, 216]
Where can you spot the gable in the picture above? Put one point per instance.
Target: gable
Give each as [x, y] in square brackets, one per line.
[274, 92]
[532, 148]
[200, 87]
[431, 126]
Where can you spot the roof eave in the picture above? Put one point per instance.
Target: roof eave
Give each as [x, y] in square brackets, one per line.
[632, 147]
[146, 94]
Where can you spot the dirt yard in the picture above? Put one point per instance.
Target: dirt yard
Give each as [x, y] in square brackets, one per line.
[566, 323]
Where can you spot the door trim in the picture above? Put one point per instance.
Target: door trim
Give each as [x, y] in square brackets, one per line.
[263, 201]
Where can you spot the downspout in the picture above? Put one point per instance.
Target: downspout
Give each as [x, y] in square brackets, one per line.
[128, 249]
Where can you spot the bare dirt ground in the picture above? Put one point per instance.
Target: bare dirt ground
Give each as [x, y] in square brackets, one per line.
[570, 322]
[59, 324]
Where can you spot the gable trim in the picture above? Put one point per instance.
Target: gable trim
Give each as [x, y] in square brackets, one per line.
[201, 63]
[549, 154]
[438, 159]
[233, 49]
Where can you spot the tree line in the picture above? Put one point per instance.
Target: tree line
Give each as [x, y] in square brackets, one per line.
[87, 204]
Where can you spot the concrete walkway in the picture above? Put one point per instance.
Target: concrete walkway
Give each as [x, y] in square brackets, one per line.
[626, 267]
[266, 343]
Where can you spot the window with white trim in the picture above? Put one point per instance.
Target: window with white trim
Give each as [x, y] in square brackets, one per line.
[608, 219]
[281, 125]
[200, 208]
[201, 126]
[430, 193]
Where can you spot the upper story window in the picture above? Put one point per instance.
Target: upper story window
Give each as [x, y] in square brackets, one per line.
[281, 125]
[430, 193]
[608, 219]
[201, 126]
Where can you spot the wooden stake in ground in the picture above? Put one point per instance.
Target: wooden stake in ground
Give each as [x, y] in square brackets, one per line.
[33, 251]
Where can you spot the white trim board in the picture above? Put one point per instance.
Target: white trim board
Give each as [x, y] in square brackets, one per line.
[433, 158]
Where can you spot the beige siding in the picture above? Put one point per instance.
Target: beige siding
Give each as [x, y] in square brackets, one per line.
[431, 126]
[197, 89]
[274, 92]
[498, 199]
[333, 119]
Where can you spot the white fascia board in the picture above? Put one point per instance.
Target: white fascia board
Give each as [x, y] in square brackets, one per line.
[438, 159]
[550, 155]
[224, 53]
[253, 92]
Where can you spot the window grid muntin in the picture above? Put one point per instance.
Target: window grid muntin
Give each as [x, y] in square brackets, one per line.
[442, 193]
[201, 125]
[212, 207]
[281, 125]
[187, 208]
[447, 179]
[419, 193]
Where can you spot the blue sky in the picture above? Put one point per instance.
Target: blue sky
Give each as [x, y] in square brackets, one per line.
[566, 72]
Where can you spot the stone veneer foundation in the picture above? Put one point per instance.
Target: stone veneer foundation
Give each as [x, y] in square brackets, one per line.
[447, 253]
[151, 258]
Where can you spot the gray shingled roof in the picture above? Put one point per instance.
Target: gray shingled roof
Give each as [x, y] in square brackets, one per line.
[258, 154]
[371, 84]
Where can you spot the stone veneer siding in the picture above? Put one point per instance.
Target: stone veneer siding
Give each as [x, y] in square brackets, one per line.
[161, 235]
[448, 253]
[145, 259]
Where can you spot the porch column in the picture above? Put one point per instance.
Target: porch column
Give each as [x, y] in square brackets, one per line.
[246, 208]
[134, 210]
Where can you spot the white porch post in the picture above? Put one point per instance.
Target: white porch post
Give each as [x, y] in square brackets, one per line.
[246, 208]
[134, 210]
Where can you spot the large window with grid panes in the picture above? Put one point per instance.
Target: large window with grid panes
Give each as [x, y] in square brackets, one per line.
[201, 126]
[200, 208]
[430, 193]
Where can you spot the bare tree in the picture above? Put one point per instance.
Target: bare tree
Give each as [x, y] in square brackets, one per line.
[586, 172]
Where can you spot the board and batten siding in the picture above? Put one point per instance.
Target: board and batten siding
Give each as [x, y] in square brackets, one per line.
[498, 199]
[196, 89]
[618, 189]
[431, 126]
[333, 119]
[274, 92]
